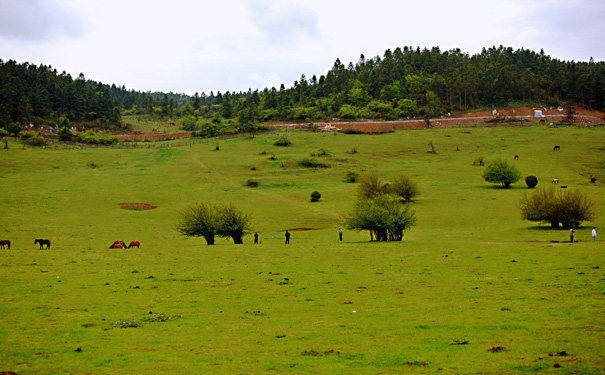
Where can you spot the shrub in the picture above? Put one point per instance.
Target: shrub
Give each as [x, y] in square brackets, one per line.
[499, 171]
[208, 221]
[233, 223]
[554, 206]
[351, 176]
[383, 216]
[403, 187]
[478, 161]
[323, 152]
[96, 138]
[315, 196]
[371, 186]
[531, 181]
[312, 163]
[28, 134]
[33, 138]
[282, 142]
[65, 134]
[199, 220]
[252, 183]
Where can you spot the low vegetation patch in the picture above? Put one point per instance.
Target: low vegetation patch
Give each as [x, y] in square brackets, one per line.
[312, 163]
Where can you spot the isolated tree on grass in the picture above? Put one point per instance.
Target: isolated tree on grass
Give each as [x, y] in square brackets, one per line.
[383, 216]
[556, 206]
[199, 220]
[207, 220]
[232, 223]
[500, 172]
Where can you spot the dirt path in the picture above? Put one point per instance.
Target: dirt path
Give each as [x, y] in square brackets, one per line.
[586, 117]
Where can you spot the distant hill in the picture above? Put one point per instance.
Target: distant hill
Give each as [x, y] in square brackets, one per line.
[404, 83]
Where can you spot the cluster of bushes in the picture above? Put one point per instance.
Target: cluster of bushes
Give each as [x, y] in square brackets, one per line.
[381, 207]
[88, 137]
[210, 220]
[564, 207]
[32, 138]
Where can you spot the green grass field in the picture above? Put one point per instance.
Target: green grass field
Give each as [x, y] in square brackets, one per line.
[471, 276]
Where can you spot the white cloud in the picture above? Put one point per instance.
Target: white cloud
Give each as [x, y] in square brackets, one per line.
[187, 45]
[38, 20]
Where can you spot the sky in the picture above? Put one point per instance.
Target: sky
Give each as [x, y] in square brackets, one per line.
[188, 46]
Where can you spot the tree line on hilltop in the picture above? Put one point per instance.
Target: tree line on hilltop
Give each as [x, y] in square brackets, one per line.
[403, 83]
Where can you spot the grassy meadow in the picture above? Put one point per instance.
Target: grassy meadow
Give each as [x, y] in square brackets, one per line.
[471, 289]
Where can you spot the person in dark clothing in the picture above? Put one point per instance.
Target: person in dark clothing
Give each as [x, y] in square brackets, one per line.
[287, 237]
[255, 238]
[340, 233]
[571, 232]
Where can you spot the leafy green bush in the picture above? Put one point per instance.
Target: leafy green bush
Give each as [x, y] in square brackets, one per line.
[557, 206]
[33, 138]
[96, 138]
[351, 176]
[383, 216]
[208, 220]
[282, 142]
[531, 181]
[252, 183]
[479, 161]
[199, 220]
[500, 172]
[404, 187]
[65, 134]
[315, 196]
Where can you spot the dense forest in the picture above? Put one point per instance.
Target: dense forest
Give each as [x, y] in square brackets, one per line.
[403, 83]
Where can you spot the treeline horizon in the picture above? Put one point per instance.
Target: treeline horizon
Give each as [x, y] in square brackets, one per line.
[404, 83]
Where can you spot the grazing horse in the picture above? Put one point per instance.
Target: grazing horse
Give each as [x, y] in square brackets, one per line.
[42, 243]
[5, 242]
[172, 123]
[556, 148]
[134, 243]
[555, 181]
[118, 245]
[516, 157]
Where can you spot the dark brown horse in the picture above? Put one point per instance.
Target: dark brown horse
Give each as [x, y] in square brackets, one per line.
[134, 243]
[118, 245]
[5, 242]
[43, 242]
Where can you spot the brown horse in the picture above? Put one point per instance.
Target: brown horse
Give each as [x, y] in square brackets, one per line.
[42, 243]
[134, 243]
[5, 242]
[118, 245]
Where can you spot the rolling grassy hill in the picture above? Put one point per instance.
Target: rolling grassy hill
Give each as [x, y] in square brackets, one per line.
[470, 279]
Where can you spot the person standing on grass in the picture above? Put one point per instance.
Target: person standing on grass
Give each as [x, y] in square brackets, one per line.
[340, 233]
[256, 238]
[571, 232]
[287, 237]
[594, 234]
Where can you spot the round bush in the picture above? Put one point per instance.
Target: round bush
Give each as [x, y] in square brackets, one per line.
[531, 181]
[315, 196]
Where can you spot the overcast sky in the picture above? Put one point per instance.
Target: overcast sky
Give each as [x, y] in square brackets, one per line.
[193, 46]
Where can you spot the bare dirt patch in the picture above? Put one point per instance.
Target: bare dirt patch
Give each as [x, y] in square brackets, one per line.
[136, 206]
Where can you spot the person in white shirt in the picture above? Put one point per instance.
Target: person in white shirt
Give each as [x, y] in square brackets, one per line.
[594, 234]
